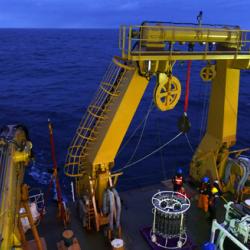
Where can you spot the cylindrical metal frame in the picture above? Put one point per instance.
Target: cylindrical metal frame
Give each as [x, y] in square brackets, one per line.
[170, 206]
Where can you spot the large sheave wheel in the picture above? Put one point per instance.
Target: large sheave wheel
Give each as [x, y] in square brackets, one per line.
[167, 92]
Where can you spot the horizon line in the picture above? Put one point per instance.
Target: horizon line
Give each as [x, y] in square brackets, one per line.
[76, 28]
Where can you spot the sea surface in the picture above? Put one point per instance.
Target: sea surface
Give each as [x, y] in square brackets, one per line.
[54, 74]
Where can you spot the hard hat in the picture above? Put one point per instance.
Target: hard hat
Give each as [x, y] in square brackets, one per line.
[205, 179]
[214, 190]
[179, 171]
[247, 202]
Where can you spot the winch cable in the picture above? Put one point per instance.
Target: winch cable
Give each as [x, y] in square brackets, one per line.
[148, 155]
[183, 123]
[131, 136]
[141, 134]
[202, 117]
[133, 133]
[129, 164]
[204, 113]
[189, 143]
[161, 152]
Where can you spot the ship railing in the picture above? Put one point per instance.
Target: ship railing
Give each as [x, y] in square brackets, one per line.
[37, 196]
[172, 42]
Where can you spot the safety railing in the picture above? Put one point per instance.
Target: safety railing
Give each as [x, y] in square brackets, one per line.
[136, 42]
[95, 115]
[37, 196]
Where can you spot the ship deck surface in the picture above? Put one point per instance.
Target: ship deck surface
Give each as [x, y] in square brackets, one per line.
[136, 214]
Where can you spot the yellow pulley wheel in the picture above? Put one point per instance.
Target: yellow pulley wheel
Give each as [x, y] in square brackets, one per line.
[167, 92]
[208, 73]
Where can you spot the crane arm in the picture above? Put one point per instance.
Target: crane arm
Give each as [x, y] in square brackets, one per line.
[106, 121]
[121, 111]
[101, 131]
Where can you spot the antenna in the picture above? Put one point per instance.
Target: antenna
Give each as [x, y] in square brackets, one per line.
[199, 17]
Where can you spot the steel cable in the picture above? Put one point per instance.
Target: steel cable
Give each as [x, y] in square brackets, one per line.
[148, 155]
[141, 134]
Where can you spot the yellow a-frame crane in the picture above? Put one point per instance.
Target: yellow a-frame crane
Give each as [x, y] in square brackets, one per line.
[151, 49]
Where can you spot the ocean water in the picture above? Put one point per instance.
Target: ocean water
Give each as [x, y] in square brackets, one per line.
[54, 74]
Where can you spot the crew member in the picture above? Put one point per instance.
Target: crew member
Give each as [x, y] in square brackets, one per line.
[213, 203]
[178, 180]
[216, 184]
[204, 191]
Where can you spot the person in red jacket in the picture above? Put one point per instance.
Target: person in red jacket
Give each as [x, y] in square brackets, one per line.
[178, 180]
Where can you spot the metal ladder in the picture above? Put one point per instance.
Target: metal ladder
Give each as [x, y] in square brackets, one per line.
[90, 215]
[95, 115]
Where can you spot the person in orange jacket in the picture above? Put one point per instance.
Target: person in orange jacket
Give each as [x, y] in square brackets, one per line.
[204, 193]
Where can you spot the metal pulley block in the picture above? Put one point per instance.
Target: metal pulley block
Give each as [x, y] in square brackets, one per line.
[167, 92]
[184, 124]
[208, 73]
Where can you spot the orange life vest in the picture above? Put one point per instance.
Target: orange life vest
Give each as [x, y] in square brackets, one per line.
[178, 180]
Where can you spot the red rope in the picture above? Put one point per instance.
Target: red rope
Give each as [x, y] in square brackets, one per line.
[53, 155]
[187, 86]
[57, 183]
[54, 177]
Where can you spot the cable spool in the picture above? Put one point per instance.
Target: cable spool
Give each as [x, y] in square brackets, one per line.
[169, 224]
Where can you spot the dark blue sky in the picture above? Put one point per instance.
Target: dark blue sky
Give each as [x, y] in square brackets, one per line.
[112, 13]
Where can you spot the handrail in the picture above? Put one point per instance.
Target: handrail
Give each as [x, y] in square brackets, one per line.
[117, 59]
[162, 40]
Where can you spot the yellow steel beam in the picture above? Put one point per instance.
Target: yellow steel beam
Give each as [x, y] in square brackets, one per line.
[166, 56]
[222, 123]
[241, 64]
[223, 109]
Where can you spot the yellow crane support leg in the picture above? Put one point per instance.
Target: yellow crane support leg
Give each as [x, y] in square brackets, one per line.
[113, 130]
[100, 155]
[221, 125]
